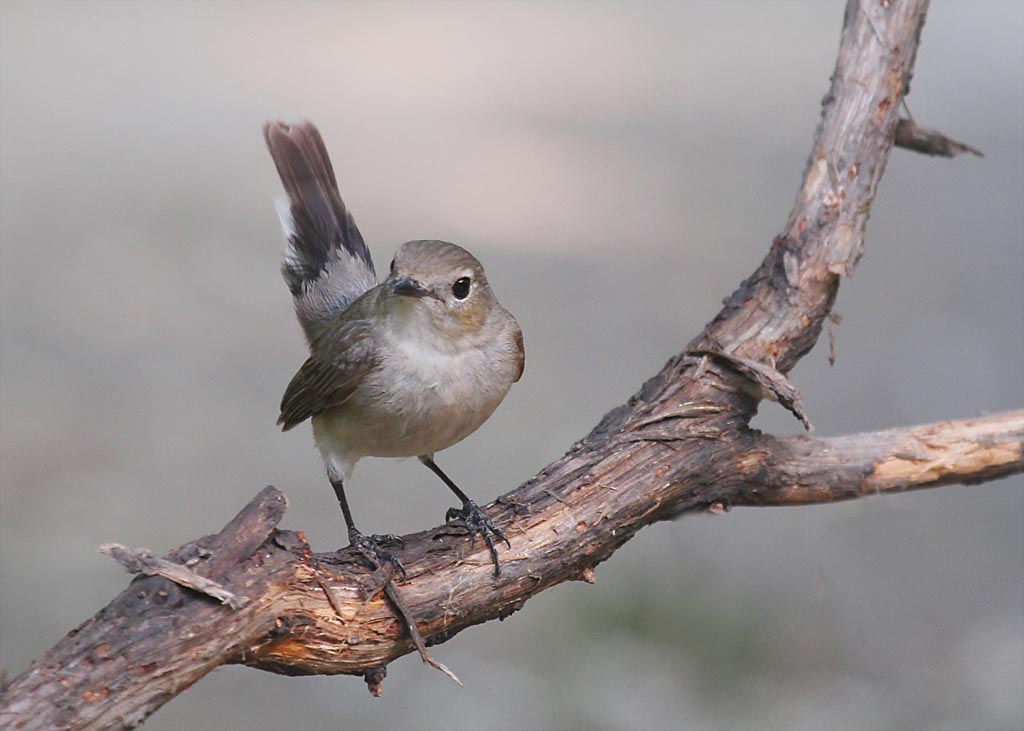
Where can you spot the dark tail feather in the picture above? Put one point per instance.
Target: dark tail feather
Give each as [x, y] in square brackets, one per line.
[321, 225]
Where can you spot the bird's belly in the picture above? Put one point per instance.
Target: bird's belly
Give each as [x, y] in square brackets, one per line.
[413, 406]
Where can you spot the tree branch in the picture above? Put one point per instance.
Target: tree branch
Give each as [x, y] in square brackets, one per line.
[802, 471]
[929, 141]
[682, 443]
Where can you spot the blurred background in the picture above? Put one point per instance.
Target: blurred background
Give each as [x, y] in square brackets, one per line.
[618, 169]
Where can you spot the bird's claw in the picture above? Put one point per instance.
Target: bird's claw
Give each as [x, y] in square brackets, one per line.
[387, 539]
[372, 549]
[477, 523]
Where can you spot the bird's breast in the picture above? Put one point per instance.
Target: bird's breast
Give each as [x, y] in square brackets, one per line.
[423, 397]
[439, 381]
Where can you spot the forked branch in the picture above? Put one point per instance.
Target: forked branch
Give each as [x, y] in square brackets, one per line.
[682, 443]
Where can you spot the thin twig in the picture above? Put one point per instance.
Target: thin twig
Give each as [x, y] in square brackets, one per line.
[417, 639]
[911, 136]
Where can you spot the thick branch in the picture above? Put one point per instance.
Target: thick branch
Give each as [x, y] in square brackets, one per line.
[308, 614]
[146, 646]
[777, 313]
[800, 470]
[682, 443]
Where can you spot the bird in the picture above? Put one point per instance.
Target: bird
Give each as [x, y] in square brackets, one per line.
[404, 367]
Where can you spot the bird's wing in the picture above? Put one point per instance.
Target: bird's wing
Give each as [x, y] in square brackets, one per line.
[521, 354]
[326, 264]
[344, 354]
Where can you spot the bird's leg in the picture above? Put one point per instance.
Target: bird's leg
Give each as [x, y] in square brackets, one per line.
[370, 547]
[475, 520]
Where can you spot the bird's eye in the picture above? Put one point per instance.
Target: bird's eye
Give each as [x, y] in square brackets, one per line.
[461, 288]
[392, 266]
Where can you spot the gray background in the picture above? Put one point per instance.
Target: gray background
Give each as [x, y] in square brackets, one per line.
[618, 169]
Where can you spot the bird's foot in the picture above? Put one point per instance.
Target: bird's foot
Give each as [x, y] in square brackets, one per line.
[476, 524]
[372, 549]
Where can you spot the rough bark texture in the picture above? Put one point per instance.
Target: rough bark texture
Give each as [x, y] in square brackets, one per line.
[681, 443]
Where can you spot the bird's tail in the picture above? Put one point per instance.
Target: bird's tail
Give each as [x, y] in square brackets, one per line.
[326, 265]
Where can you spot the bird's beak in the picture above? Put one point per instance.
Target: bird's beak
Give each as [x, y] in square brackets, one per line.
[406, 287]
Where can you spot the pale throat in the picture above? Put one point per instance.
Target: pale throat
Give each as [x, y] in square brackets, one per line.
[417, 329]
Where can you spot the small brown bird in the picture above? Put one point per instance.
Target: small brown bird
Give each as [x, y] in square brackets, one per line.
[403, 368]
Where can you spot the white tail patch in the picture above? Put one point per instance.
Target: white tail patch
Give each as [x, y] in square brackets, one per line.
[284, 215]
